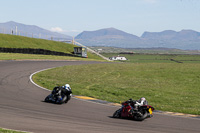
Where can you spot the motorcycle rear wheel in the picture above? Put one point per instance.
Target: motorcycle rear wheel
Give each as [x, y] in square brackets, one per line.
[117, 114]
[47, 99]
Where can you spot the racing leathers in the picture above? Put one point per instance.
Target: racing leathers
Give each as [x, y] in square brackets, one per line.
[136, 103]
[59, 90]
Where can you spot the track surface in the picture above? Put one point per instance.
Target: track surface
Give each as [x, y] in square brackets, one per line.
[21, 108]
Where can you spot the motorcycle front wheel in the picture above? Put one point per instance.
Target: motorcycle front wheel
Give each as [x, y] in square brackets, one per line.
[141, 117]
[65, 99]
[68, 98]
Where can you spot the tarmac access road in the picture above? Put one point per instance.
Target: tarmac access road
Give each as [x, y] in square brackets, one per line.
[22, 108]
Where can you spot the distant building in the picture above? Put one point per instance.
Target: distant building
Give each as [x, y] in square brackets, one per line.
[80, 51]
[118, 58]
[126, 53]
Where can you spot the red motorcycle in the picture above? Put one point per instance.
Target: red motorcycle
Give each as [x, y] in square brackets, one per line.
[127, 111]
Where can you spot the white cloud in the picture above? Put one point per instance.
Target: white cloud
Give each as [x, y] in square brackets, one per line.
[57, 29]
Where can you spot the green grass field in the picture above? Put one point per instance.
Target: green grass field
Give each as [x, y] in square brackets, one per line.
[167, 86]
[158, 58]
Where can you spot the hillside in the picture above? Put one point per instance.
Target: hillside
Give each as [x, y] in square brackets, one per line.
[184, 39]
[106, 34]
[170, 35]
[107, 37]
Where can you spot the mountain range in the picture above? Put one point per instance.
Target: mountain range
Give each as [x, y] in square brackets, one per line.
[31, 31]
[111, 37]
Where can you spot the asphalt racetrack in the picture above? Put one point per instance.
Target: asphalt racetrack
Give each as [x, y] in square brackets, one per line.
[22, 108]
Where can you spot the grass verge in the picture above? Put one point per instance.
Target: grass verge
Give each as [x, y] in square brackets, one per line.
[17, 56]
[9, 131]
[167, 86]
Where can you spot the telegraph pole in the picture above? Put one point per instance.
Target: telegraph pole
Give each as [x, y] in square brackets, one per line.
[16, 30]
[73, 41]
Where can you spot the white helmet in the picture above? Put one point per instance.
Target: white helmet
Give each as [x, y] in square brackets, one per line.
[67, 86]
[143, 99]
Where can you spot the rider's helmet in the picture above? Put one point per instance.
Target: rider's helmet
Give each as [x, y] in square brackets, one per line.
[67, 87]
[143, 100]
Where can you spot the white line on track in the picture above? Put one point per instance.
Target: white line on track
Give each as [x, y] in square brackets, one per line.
[31, 76]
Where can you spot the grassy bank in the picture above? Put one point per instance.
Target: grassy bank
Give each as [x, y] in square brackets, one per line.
[167, 86]
[12, 41]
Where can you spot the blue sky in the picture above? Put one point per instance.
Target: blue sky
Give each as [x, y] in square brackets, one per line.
[133, 16]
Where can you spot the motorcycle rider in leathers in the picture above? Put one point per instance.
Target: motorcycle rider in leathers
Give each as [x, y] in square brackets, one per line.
[58, 90]
[140, 102]
[136, 103]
